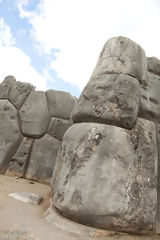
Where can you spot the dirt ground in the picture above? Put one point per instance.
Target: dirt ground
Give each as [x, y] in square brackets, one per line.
[25, 221]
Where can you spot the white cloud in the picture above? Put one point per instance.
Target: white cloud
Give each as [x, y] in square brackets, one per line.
[13, 61]
[6, 38]
[79, 28]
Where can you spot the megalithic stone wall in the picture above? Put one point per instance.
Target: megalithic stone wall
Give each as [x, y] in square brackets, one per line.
[32, 125]
[106, 170]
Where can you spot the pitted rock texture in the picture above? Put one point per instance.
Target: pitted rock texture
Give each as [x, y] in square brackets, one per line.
[58, 127]
[20, 160]
[106, 176]
[34, 115]
[5, 87]
[42, 159]
[24, 122]
[111, 99]
[150, 98]
[15, 92]
[10, 135]
[122, 55]
[153, 65]
[60, 104]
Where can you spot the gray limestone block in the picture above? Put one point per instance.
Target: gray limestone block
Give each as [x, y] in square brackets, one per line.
[6, 86]
[58, 127]
[111, 99]
[20, 160]
[150, 98]
[10, 136]
[153, 65]
[19, 92]
[60, 104]
[122, 55]
[42, 160]
[158, 181]
[106, 176]
[34, 115]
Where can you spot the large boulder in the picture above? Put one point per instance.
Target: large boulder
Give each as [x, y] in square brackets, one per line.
[19, 92]
[150, 98]
[111, 99]
[42, 160]
[15, 92]
[10, 135]
[112, 95]
[34, 115]
[57, 127]
[122, 55]
[106, 176]
[60, 104]
[153, 65]
[6, 86]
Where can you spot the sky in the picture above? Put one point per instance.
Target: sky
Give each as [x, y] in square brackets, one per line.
[55, 44]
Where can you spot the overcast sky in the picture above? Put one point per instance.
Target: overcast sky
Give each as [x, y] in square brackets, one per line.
[54, 44]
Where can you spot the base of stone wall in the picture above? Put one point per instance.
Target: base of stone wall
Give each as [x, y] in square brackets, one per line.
[54, 216]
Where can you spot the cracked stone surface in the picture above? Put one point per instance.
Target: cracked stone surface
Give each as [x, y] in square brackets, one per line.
[20, 160]
[10, 135]
[106, 176]
[153, 65]
[110, 99]
[150, 98]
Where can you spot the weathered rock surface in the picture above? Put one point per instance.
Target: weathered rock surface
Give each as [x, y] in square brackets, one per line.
[20, 160]
[106, 176]
[158, 181]
[150, 98]
[19, 92]
[58, 127]
[110, 99]
[60, 104]
[27, 197]
[10, 136]
[153, 65]
[34, 115]
[43, 159]
[6, 86]
[122, 55]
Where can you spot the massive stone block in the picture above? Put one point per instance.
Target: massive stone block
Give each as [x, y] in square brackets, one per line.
[110, 99]
[150, 98]
[60, 104]
[10, 136]
[42, 159]
[6, 86]
[122, 55]
[153, 65]
[112, 95]
[19, 92]
[106, 176]
[34, 115]
[19, 162]
[58, 127]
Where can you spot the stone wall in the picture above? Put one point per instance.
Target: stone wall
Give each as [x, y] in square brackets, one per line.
[106, 170]
[32, 125]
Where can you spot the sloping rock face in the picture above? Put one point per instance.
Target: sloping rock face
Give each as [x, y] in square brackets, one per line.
[29, 136]
[106, 169]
